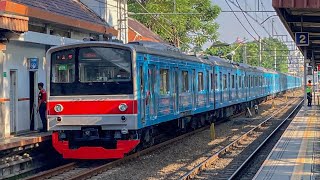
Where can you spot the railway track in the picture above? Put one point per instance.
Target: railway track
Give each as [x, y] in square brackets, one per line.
[238, 153]
[80, 170]
[83, 170]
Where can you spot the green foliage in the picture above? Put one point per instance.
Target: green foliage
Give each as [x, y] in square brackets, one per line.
[269, 47]
[186, 29]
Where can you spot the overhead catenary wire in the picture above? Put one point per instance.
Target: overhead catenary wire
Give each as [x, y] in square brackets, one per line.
[240, 21]
[247, 19]
[249, 16]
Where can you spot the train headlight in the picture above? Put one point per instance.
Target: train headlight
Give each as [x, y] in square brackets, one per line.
[58, 108]
[123, 107]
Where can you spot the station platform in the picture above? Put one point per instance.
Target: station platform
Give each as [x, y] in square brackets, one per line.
[24, 140]
[297, 153]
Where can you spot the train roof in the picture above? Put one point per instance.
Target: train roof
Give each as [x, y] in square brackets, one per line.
[164, 50]
[171, 51]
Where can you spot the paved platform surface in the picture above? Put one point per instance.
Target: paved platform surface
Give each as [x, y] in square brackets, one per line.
[297, 153]
[24, 140]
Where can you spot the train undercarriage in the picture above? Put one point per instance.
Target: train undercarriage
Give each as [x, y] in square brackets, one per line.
[91, 142]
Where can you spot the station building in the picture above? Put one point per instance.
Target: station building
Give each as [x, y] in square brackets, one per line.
[28, 28]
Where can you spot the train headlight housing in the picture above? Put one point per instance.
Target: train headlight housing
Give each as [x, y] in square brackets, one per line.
[123, 107]
[58, 108]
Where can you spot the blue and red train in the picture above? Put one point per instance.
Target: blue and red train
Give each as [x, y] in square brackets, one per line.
[106, 99]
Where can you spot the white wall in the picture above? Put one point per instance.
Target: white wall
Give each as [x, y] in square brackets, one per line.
[16, 59]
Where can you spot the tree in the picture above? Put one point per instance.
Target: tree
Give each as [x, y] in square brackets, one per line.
[269, 47]
[195, 27]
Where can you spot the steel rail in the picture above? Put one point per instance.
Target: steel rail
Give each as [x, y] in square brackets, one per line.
[61, 169]
[52, 172]
[214, 157]
[263, 143]
[100, 169]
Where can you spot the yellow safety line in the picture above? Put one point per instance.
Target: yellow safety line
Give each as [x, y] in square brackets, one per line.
[301, 160]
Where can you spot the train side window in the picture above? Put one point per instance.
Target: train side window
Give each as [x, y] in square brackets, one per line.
[221, 81]
[216, 80]
[185, 81]
[164, 81]
[212, 81]
[252, 81]
[224, 81]
[141, 80]
[245, 81]
[232, 81]
[239, 82]
[200, 81]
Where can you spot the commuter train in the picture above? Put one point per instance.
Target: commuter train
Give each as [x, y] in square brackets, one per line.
[106, 99]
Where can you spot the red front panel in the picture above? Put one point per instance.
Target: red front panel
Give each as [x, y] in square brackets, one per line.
[123, 147]
[93, 107]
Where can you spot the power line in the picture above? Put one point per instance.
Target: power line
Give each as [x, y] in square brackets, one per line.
[250, 17]
[247, 19]
[240, 21]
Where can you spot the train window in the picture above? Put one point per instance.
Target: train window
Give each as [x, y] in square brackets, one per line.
[239, 81]
[245, 81]
[252, 81]
[221, 81]
[63, 67]
[164, 81]
[200, 81]
[232, 82]
[216, 80]
[224, 81]
[185, 81]
[141, 80]
[212, 81]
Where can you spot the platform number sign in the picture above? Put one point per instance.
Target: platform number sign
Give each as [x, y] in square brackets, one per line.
[33, 64]
[302, 38]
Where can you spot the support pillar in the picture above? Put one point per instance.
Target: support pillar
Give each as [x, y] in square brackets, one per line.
[305, 77]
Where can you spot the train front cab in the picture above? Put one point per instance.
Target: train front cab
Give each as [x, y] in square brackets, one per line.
[92, 109]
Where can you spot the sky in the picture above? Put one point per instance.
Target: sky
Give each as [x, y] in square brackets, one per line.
[230, 28]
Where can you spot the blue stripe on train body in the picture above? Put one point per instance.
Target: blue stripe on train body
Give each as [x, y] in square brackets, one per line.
[172, 85]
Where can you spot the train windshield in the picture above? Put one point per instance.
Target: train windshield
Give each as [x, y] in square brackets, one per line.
[91, 71]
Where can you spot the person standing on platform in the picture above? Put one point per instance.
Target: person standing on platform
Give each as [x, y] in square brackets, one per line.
[42, 106]
[309, 92]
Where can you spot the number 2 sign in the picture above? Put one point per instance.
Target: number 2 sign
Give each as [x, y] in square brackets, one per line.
[302, 38]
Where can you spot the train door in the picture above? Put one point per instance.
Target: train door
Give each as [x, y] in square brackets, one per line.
[142, 94]
[150, 92]
[237, 83]
[229, 87]
[208, 88]
[175, 90]
[194, 89]
[222, 85]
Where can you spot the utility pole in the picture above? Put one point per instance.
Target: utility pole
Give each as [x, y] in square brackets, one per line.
[275, 59]
[260, 52]
[272, 27]
[174, 6]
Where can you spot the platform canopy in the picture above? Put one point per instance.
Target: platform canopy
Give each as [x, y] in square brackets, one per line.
[302, 16]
